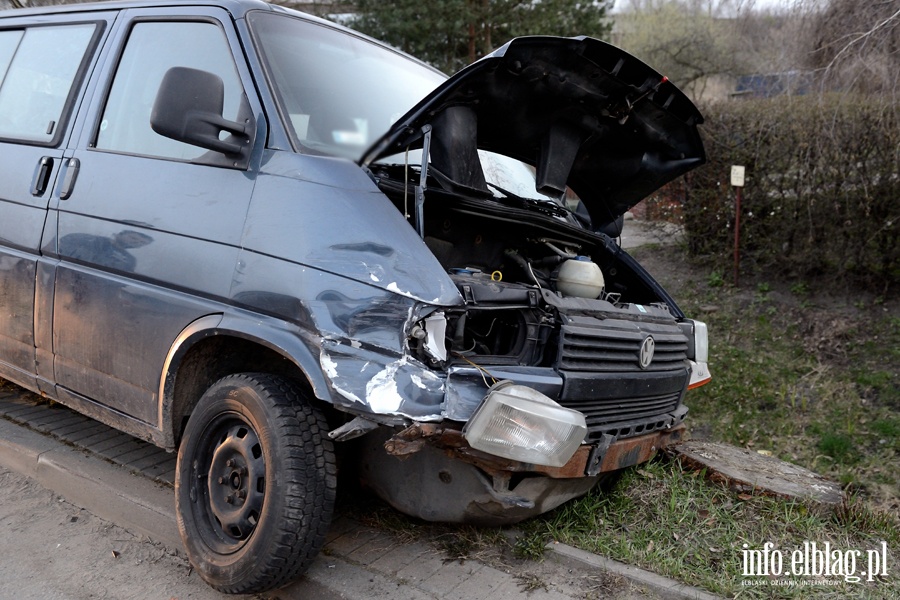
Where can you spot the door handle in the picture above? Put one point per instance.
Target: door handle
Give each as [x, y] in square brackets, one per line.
[42, 176]
[69, 178]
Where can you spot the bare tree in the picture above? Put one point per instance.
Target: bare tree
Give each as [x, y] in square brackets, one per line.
[690, 41]
[34, 3]
[856, 45]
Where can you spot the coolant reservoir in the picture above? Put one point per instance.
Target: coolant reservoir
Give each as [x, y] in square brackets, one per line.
[580, 277]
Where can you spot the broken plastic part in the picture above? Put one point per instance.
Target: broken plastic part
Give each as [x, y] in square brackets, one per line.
[353, 429]
[700, 374]
[436, 328]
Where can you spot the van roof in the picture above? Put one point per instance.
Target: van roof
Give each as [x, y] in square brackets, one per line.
[238, 8]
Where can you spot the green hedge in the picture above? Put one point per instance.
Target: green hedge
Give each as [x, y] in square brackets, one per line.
[822, 195]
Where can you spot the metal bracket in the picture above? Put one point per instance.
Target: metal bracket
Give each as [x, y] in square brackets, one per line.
[354, 429]
[468, 294]
[595, 458]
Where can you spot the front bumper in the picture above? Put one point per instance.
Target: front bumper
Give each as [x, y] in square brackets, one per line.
[429, 471]
[587, 461]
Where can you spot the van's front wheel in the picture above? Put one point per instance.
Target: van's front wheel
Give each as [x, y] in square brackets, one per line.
[255, 484]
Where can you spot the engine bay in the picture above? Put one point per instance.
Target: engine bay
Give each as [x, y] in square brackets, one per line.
[507, 257]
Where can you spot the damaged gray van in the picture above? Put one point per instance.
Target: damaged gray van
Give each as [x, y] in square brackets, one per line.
[254, 238]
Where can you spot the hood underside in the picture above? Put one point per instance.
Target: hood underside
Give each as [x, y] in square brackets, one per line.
[585, 114]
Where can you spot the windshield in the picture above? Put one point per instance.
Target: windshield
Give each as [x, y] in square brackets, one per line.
[338, 92]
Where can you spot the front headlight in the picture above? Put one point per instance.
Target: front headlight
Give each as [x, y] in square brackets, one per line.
[701, 342]
[519, 423]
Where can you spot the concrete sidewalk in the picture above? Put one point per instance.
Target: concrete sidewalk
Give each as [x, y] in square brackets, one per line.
[129, 482]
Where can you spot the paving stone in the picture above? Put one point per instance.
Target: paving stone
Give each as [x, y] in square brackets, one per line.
[159, 469]
[22, 412]
[113, 452]
[77, 430]
[62, 421]
[339, 527]
[95, 432]
[167, 477]
[451, 574]
[109, 442]
[481, 585]
[512, 589]
[423, 568]
[373, 549]
[353, 582]
[13, 398]
[48, 416]
[145, 450]
[400, 556]
[347, 543]
[161, 457]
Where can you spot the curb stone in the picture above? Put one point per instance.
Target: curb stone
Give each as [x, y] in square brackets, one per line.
[107, 490]
[665, 588]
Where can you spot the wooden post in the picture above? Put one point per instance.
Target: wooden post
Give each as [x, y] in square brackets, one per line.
[737, 180]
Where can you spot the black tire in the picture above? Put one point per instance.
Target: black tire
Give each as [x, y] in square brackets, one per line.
[255, 484]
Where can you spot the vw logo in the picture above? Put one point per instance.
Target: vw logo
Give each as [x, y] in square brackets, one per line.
[646, 354]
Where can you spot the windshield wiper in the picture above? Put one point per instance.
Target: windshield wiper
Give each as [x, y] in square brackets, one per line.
[547, 207]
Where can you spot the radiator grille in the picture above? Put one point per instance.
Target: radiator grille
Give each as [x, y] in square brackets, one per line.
[622, 398]
[629, 409]
[610, 345]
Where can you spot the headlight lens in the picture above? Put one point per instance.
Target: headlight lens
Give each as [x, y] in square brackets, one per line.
[519, 423]
[701, 342]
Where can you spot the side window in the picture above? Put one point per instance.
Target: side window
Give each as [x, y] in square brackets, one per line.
[38, 66]
[152, 49]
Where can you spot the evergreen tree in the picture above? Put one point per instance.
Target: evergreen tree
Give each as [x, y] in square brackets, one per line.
[453, 33]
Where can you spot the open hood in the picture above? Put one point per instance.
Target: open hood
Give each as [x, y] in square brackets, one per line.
[585, 114]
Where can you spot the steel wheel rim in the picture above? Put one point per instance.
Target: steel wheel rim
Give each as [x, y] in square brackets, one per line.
[230, 468]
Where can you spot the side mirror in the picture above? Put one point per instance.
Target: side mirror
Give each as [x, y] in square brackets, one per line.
[188, 108]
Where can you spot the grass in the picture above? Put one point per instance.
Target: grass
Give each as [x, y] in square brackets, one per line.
[816, 387]
[675, 523]
[671, 521]
[839, 447]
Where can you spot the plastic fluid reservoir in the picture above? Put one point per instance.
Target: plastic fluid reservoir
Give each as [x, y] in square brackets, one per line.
[580, 277]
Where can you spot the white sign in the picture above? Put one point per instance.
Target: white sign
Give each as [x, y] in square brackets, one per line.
[737, 176]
